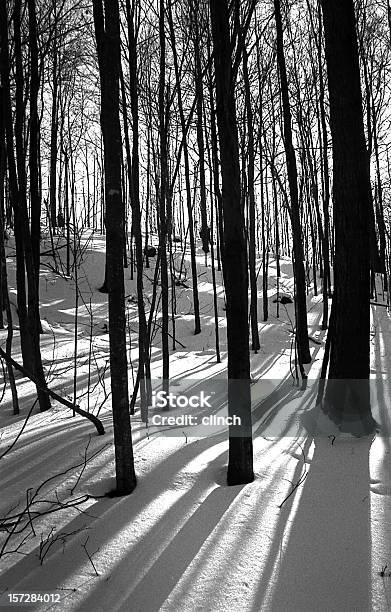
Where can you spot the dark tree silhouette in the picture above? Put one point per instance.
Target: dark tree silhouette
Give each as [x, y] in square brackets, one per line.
[240, 466]
[303, 350]
[348, 339]
[107, 31]
[28, 317]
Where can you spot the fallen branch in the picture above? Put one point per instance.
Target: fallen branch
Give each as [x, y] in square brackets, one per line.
[52, 537]
[21, 431]
[170, 335]
[50, 251]
[299, 482]
[91, 417]
[15, 524]
[90, 555]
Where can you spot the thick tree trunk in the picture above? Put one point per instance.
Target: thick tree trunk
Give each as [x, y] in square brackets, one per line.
[240, 466]
[348, 400]
[107, 31]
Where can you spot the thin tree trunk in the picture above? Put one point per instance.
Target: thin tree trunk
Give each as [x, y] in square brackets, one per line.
[53, 144]
[196, 302]
[107, 31]
[17, 184]
[34, 153]
[4, 298]
[163, 199]
[252, 209]
[303, 349]
[134, 187]
[204, 231]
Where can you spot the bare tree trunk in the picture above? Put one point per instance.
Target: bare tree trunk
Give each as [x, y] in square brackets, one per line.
[107, 32]
[16, 188]
[34, 153]
[326, 189]
[240, 465]
[134, 187]
[163, 198]
[204, 231]
[4, 298]
[348, 402]
[196, 302]
[3, 166]
[53, 140]
[33, 264]
[303, 349]
[28, 318]
[252, 209]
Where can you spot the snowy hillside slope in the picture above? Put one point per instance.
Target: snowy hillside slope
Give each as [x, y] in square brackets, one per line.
[184, 540]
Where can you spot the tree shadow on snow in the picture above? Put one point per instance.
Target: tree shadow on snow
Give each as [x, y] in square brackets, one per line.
[325, 560]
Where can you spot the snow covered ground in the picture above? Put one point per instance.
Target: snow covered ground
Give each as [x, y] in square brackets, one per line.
[184, 540]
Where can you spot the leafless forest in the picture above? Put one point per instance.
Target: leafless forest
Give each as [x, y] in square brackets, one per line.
[187, 180]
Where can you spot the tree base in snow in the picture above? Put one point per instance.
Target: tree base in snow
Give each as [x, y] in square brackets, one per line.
[240, 464]
[122, 493]
[239, 478]
[348, 404]
[321, 421]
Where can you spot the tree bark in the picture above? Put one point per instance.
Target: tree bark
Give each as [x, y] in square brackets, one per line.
[107, 32]
[348, 401]
[194, 274]
[163, 198]
[53, 141]
[134, 164]
[240, 464]
[303, 349]
[204, 231]
[17, 186]
[28, 318]
[255, 345]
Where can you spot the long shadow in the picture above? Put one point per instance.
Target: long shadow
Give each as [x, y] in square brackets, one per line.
[42, 460]
[158, 481]
[381, 479]
[241, 538]
[158, 581]
[118, 514]
[331, 530]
